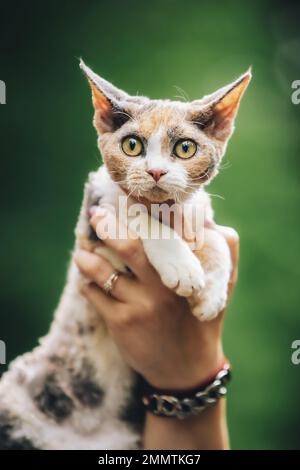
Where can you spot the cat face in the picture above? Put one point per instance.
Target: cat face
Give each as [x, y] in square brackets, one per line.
[163, 150]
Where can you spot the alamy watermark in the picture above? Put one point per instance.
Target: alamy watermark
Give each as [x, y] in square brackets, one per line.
[2, 352]
[2, 92]
[295, 358]
[295, 97]
[159, 221]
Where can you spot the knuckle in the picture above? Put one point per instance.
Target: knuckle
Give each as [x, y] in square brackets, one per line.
[235, 236]
[231, 234]
[148, 307]
[124, 320]
[129, 249]
[95, 267]
[170, 301]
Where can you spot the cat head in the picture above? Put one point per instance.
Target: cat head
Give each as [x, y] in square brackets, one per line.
[163, 150]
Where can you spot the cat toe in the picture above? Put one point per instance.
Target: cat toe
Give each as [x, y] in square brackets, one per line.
[191, 280]
[185, 285]
[197, 277]
[205, 312]
[209, 307]
[170, 276]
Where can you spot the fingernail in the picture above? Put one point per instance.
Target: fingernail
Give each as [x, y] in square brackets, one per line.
[98, 211]
[92, 210]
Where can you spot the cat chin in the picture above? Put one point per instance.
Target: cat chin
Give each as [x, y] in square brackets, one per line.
[157, 195]
[160, 197]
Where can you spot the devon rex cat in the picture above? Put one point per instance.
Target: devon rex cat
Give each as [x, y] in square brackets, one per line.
[74, 390]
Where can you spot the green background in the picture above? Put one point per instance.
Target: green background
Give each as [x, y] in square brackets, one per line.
[48, 146]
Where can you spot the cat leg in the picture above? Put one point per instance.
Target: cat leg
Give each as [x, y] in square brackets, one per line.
[216, 261]
[172, 258]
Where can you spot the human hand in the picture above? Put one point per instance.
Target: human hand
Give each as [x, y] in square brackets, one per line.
[152, 326]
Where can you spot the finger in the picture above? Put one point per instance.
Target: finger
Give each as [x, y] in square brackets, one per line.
[116, 235]
[98, 270]
[106, 306]
[232, 238]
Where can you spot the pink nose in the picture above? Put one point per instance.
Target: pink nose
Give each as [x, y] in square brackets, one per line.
[156, 174]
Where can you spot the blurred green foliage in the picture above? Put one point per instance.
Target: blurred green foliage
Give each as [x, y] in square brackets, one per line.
[48, 146]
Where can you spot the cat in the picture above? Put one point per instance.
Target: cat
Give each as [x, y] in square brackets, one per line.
[74, 390]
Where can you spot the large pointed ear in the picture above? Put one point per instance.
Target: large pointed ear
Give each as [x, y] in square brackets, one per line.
[215, 113]
[113, 107]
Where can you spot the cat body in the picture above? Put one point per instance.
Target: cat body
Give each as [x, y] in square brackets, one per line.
[74, 390]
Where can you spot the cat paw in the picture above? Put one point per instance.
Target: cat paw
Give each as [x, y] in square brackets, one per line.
[190, 278]
[177, 266]
[210, 304]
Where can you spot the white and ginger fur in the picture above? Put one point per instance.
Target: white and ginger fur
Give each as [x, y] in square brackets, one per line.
[72, 391]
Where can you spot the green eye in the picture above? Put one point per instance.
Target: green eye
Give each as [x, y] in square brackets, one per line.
[185, 148]
[132, 146]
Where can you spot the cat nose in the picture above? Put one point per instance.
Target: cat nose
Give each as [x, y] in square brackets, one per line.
[156, 174]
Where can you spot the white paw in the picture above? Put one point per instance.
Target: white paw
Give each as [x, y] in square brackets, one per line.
[178, 267]
[211, 303]
[185, 277]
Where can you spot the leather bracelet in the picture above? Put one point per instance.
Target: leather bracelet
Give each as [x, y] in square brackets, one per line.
[183, 404]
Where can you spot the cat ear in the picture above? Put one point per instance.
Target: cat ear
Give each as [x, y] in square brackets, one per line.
[215, 113]
[113, 107]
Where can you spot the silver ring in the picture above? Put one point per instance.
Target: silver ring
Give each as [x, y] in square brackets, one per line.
[109, 283]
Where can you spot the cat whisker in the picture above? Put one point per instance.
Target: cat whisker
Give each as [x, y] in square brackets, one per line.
[216, 195]
[225, 166]
[192, 187]
[202, 124]
[123, 113]
[98, 158]
[195, 184]
[183, 94]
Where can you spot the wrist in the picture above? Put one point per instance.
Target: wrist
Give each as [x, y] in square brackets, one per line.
[188, 374]
[184, 404]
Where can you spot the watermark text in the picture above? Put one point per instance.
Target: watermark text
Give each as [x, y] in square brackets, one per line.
[295, 358]
[2, 352]
[2, 92]
[295, 97]
[160, 222]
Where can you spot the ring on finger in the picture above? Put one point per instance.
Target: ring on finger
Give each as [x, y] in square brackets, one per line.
[109, 283]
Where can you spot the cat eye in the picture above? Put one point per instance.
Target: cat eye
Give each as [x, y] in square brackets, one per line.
[132, 146]
[185, 148]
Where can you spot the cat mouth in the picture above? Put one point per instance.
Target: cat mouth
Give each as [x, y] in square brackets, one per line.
[159, 189]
